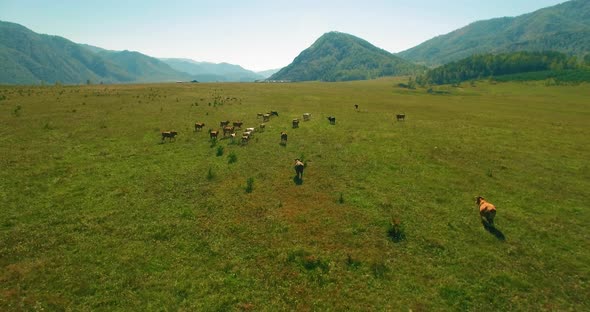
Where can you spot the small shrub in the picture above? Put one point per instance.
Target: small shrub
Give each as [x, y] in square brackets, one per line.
[396, 231]
[48, 126]
[219, 151]
[17, 111]
[249, 185]
[232, 158]
[341, 199]
[352, 263]
[379, 269]
[490, 173]
[210, 174]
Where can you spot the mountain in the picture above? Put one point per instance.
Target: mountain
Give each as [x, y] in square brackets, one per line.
[144, 68]
[211, 72]
[267, 73]
[338, 56]
[563, 28]
[30, 58]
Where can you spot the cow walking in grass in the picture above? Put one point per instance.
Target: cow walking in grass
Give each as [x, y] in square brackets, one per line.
[169, 134]
[299, 166]
[283, 138]
[199, 126]
[213, 134]
[332, 120]
[487, 211]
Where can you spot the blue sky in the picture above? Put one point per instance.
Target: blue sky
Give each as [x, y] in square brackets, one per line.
[257, 35]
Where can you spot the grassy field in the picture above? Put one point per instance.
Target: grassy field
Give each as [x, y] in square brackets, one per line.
[99, 215]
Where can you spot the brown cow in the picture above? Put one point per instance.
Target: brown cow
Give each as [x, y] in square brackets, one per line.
[238, 124]
[283, 137]
[213, 134]
[400, 117]
[199, 126]
[487, 211]
[169, 134]
[227, 129]
[224, 123]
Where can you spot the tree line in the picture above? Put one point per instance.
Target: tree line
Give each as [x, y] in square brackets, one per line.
[492, 65]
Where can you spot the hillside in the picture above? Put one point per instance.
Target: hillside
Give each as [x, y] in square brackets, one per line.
[30, 58]
[212, 72]
[339, 57]
[563, 28]
[144, 68]
[487, 65]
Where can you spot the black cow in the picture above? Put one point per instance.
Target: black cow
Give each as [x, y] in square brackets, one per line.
[299, 166]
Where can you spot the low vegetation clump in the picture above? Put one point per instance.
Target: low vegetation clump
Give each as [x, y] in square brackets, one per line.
[396, 231]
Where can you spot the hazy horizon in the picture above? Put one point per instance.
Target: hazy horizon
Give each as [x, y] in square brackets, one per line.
[257, 35]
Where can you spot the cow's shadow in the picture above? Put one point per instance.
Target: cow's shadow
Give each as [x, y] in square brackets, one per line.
[297, 180]
[493, 230]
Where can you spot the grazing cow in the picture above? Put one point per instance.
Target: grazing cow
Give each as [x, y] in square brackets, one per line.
[401, 117]
[169, 134]
[199, 126]
[306, 116]
[224, 123]
[232, 136]
[259, 115]
[245, 139]
[266, 117]
[275, 113]
[299, 166]
[295, 123]
[250, 129]
[332, 120]
[487, 211]
[238, 124]
[227, 129]
[283, 137]
[213, 134]
[262, 126]
[356, 106]
[247, 133]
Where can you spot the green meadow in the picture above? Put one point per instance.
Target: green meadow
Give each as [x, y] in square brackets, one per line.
[98, 214]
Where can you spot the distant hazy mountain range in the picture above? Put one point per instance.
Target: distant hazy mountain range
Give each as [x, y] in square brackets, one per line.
[562, 28]
[338, 56]
[30, 58]
[209, 72]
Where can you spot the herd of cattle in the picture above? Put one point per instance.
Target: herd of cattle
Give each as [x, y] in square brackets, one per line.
[247, 134]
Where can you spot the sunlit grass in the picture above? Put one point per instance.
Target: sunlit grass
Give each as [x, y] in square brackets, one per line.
[99, 214]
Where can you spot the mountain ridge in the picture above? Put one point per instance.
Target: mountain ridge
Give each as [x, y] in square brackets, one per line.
[563, 28]
[337, 56]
